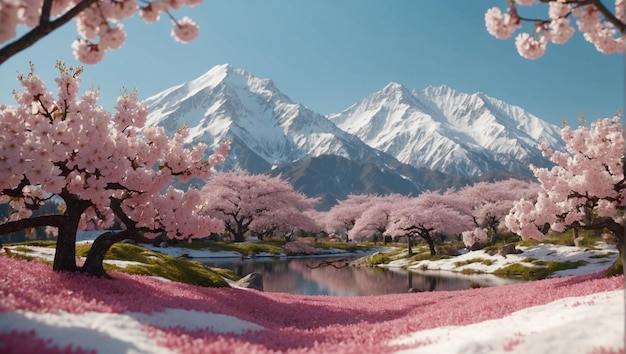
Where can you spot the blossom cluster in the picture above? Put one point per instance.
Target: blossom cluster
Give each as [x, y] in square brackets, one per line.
[99, 25]
[558, 28]
[71, 148]
[586, 182]
[476, 236]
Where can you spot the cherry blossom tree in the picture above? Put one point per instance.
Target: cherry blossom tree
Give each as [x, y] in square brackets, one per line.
[490, 202]
[603, 26]
[375, 218]
[584, 190]
[285, 220]
[99, 166]
[427, 214]
[259, 203]
[340, 219]
[98, 23]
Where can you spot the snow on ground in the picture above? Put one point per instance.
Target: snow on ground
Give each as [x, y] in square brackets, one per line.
[598, 258]
[45, 312]
[550, 328]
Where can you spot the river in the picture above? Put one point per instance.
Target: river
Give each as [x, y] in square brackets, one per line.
[316, 276]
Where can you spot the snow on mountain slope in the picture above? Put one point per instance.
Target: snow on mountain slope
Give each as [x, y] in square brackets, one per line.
[265, 127]
[436, 128]
[449, 131]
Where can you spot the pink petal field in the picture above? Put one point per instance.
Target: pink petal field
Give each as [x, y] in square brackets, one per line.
[232, 320]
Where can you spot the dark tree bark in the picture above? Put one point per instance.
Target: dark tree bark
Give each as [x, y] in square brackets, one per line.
[65, 255]
[94, 264]
[430, 241]
[238, 229]
[409, 245]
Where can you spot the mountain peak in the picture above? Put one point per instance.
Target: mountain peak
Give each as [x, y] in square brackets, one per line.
[217, 75]
[393, 92]
[395, 88]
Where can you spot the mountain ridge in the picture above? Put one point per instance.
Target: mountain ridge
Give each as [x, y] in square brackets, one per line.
[394, 132]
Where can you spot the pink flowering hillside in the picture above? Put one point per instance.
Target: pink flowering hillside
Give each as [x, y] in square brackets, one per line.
[284, 322]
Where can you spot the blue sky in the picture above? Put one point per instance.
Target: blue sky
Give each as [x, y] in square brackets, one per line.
[329, 54]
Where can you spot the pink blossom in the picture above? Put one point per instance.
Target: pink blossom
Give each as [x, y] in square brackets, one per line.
[151, 12]
[529, 47]
[9, 20]
[499, 25]
[112, 37]
[185, 30]
[560, 31]
[474, 236]
[87, 52]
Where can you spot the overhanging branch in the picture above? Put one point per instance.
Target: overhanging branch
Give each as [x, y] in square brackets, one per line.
[44, 28]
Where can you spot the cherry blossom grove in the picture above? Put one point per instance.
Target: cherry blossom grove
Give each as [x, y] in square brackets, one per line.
[604, 28]
[98, 23]
[257, 203]
[99, 166]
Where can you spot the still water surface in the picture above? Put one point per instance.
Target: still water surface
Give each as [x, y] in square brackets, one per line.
[306, 276]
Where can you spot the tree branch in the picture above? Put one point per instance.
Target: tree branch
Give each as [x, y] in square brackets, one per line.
[608, 15]
[44, 28]
[37, 221]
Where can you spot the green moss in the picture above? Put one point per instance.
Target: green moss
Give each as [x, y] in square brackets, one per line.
[22, 249]
[179, 270]
[50, 244]
[469, 271]
[528, 243]
[243, 248]
[157, 264]
[469, 261]
[474, 260]
[424, 255]
[346, 246]
[379, 258]
[541, 270]
[19, 256]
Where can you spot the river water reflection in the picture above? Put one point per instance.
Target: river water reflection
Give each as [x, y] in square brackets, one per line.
[306, 276]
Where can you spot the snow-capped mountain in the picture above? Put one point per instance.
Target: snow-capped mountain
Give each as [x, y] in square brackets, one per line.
[265, 127]
[449, 131]
[434, 139]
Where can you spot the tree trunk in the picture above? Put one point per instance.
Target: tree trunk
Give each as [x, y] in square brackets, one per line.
[431, 244]
[410, 247]
[101, 245]
[65, 254]
[238, 237]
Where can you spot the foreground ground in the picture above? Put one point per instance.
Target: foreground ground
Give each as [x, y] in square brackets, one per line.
[46, 312]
